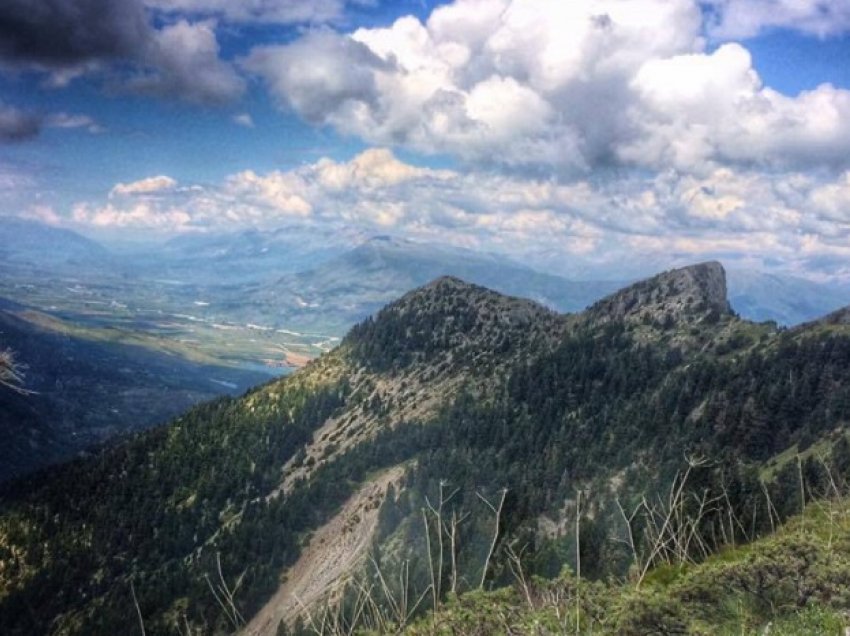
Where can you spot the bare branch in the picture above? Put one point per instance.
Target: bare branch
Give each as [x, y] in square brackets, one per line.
[138, 609]
[498, 512]
[12, 373]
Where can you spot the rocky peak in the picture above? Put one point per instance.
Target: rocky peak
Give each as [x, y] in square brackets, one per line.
[450, 316]
[689, 293]
[448, 294]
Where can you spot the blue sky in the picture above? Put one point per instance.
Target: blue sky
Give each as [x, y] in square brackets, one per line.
[574, 136]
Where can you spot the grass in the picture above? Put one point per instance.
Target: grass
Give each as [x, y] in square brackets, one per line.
[820, 448]
[794, 582]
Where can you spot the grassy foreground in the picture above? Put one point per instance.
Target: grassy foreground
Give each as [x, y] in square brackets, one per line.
[794, 582]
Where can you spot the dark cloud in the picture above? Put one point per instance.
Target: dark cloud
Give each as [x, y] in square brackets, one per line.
[17, 125]
[61, 33]
[179, 60]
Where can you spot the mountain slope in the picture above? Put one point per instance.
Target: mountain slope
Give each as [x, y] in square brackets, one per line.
[85, 391]
[785, 299]
[474, 396]
[250, 256]
[33, 243]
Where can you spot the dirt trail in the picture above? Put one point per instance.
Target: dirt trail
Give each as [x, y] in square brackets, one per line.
[332, 554]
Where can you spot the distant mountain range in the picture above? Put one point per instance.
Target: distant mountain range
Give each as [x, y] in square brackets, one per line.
[786, 300]
[325, 281]
[346, 289]
[40, 245]
[242, 257]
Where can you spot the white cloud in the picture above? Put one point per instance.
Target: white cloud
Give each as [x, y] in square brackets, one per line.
[138, 215]
[244, 119]
[149, 185]
[701, 107]
[43, 214]
[734, 19]
[563, 86]
[649, 221]
[832, 200]
[71, 121]
[372, 169]
[282, 191]
[321, 76]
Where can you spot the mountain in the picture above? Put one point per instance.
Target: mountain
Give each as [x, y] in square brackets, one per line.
[346, 289]
[343, 288]
[242, 257]
[84, 387]
[787, 300]
[40, 245]
[454, 437]
[673, 297]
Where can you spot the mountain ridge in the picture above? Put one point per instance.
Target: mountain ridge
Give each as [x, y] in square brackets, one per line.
[688, 292]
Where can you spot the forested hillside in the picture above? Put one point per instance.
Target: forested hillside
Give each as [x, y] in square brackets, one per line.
[81, 387]
[521, 436]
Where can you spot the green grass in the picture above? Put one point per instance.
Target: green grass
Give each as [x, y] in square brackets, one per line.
[820, 448]
[796, 581]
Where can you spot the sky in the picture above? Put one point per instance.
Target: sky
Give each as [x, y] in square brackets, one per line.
[585, 137]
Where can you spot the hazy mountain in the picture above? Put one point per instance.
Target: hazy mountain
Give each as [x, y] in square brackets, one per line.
[34, 243]
[785, 299]
[297, 277]
[246, 510]
[89, 388]
[346, 289]
[241, 257]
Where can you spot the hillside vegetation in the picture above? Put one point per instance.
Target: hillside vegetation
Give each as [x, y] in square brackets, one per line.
[794, 582]
[656, 428]
[75, 387]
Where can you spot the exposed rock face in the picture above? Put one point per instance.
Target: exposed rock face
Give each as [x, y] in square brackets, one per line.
[686, 294]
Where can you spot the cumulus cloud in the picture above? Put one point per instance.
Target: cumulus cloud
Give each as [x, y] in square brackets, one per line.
[322, 76]
[149, 185]
[832, 200]
[568, 86]
[186, 65]
[140, 214]
[17, 125]
[699, 107]
[734, 19]
[583, 227]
